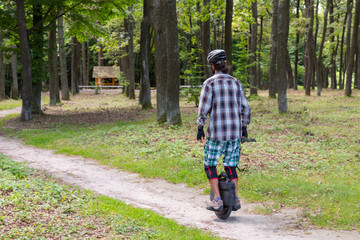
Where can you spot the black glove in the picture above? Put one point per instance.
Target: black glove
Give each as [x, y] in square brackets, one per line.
[200, 134]
[244, 132]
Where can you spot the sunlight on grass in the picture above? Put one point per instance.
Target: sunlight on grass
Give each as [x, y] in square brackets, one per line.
[9, 104]
[308, 158]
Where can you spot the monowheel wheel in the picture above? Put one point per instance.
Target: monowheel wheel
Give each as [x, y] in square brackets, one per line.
[223, 214]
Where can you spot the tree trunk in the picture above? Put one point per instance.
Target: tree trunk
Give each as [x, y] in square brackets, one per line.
[341, 75]
[83, 61]
[129, 28]
[273, 50]
[282, 55]
[309, 67]
[63, 67]
[25, 62]
[259, 80]
[228, 32]
[145, 92]
[74, 66]
[296, 79]
[37, 43]
[173, 115]
[332, 67]
[2, 71]
[160, 60]
[205, 37]
[253, 47]
[353, 50]
[357, 68]
[14, 85]
[87, 63]
[101, 55]
[52, 67]
[320, 75]
[289, 71]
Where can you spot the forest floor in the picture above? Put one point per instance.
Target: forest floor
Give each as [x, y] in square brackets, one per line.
[175, 201]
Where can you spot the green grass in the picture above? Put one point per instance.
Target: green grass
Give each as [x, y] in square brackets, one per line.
[308, 158]
[34, 206]
[9, 104]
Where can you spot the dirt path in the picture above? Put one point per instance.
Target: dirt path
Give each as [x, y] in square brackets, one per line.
[175, 201]
[4, 113]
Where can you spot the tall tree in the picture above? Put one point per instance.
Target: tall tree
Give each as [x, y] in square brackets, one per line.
[74, 65]
[297, 41]
[2, 71]
[282, 54]
[273, 50]
[205, 36]
[173, 114]
[353, 50]
[62, 57]
[129, 29]
[160, 60]
[14, 84]
[310, 47]
[53, 78]
[333, 51]
[253, 49]
[228, 31]
[25, 62]
[145, 93]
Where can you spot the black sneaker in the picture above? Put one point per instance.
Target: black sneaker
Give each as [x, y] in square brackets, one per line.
[237, 205]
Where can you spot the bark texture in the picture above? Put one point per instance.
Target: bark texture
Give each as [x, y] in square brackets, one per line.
[65, 95]
[2, 71]
[228, 32]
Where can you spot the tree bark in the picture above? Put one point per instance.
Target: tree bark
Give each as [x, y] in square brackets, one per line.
[52, 64]
[25, 62]
[341, 71]
[259, 79]
[332, 68]
[228, 32]
[145, 92]
[205, 37]
[289, 70]
[309, 52]
[320, 75]
[129, 28]
[296, 79]
[74, 66]
[160, 61]
[87, 62]
[273, 50]
[173, 114]
[100, 55]
[83, 61]
[14, 85]
[63, 67]
[357, 68]
[2, 71]
[353, 50]
[253, 47]
[282, 55]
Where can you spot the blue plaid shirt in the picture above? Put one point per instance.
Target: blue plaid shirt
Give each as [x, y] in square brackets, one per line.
[223, 98]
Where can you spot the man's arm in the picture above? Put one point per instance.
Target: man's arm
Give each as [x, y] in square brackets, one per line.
[204, 109]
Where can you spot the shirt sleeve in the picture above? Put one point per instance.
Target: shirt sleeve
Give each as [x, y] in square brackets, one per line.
[204, 104]
[245, 109]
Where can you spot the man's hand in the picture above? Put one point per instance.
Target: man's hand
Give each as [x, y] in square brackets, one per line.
[200, 135]
[244, 133]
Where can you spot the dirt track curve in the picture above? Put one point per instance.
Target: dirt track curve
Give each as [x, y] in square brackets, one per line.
[175, 201]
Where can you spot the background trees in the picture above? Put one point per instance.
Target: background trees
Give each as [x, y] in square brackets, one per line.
[321, 47]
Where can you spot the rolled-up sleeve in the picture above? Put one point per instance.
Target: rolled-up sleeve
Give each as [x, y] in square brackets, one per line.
[204, 104]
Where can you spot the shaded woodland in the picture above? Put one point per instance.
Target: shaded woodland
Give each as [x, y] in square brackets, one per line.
[275, 45]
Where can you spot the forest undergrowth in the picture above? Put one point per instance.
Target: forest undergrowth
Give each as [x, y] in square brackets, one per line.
[308, 158]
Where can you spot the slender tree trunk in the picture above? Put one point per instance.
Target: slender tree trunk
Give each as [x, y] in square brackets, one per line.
[353, 50]
[14, 85]
[228, 32]
[282, 56]
[273, 50]
[320, 75]
[205, 37]
[173, 115]
[253, 48]
[297, 42]
[357, 68]
[37, 43]
[160, 60]
[2, 71]
[332, 67]
[347, 40]
[129, 28]
[25, 62]
[101, 55]
[341, 75]
[52, 67]
[83, 61]
[87, 63]
[62, 57]
[145, 92]
[289, 71]
[259, 80]
[74, 66]
[309, 67]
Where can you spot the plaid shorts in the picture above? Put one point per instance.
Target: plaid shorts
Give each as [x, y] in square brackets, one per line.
[214, 149]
